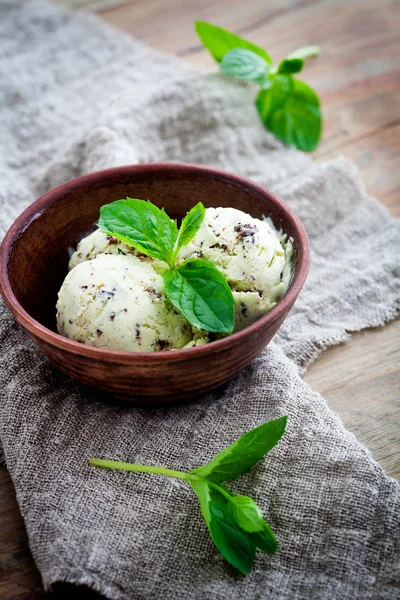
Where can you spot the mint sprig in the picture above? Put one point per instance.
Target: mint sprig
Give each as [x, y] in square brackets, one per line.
[195, 287]
[287, 106]
[235, 522]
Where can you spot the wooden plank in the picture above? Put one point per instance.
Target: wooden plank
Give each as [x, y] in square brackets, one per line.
[377, 157]
[360, 380]
[168, 26]
[92, 5]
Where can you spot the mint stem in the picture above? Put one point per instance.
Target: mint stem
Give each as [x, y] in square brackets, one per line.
[114, 464]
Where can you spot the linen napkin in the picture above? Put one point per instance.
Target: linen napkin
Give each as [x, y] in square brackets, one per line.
[76, 96]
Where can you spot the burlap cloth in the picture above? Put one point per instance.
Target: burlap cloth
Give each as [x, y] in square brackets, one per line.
[76, 97]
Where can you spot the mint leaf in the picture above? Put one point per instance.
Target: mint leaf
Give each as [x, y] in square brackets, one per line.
[201, 293]
[305, 52]
[242, 455]
[287, 107]
[246, 513]
[244, 64]
[141, 225]
[219, 41]
[190, 225]
[248, 516]
[274, 95]
[290, 65]
[233, 543]
[296, 119]
[235, 522]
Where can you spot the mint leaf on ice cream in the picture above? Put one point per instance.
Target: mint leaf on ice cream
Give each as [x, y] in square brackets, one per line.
[196, 288]
[201, 293]
[142, 225]
[190, 226]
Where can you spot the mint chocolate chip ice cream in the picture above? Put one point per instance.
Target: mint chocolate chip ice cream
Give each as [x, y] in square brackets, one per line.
[118, 303]
[114, 296]
[251, 254]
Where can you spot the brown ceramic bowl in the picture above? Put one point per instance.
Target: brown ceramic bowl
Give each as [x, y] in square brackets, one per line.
[34, 258]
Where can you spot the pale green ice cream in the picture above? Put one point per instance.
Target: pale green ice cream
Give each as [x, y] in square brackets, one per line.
[114, 297]
[101, 243]
[252, 256]
[118, 302]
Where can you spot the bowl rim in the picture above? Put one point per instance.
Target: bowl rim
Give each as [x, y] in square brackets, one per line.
[39, 206]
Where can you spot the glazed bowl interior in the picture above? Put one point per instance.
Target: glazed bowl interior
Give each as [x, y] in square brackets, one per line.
[38, 263]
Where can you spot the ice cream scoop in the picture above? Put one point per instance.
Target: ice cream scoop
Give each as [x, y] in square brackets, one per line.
[251, 254]
[118, 302]
[101, 243]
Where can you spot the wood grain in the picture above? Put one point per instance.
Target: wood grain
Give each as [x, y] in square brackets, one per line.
[168, 25]
[360, 380]
[357, 77]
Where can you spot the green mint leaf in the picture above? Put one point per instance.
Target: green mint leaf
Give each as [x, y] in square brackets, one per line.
[244, 64]
[242, 455]
[305, 52]
[202, 295]
[246, 513]
[233, 543]
[248, 516]
[235, 522]
[275, 93]
[290, 65]
[190, 225]
[219, 41]
[142, 225]
[296, 120]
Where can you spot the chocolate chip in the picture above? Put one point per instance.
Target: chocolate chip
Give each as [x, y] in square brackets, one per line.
[246, 230]
[109, 294]
[154, 295]
[112, 316]
[222, 247]
[161, 345]
[112, 241]
[99, 332]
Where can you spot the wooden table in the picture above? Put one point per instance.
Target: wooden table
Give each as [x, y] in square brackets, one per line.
[358, 79]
